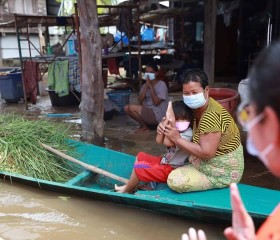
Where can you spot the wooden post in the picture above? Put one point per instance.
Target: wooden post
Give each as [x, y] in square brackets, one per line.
[1, 51]
[139, 47]
[210, 7]
[77, 28]
[92, 105]
[21, 61]
[41, 39]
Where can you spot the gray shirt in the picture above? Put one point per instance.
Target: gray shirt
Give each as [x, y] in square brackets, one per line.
[175, 156]
[161, 91]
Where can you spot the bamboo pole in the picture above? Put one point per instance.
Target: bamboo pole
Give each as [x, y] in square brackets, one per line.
[21, 61]
[85, 165]
[77, 27]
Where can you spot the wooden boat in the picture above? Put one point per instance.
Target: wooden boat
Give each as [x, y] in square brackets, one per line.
[211, 205]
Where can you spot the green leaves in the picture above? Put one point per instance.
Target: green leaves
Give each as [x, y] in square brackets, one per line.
[20, 151]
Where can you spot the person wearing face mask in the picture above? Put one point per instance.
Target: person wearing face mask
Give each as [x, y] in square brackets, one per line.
[260, 115]
[153, 99]
[148, 168]
[216, 154]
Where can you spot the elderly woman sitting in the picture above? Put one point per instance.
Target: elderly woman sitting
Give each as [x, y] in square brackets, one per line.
[216, 154]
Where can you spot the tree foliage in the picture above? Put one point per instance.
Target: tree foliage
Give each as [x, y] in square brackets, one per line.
[68, 6]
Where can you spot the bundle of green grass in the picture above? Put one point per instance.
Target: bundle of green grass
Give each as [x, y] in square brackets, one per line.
[21, 152]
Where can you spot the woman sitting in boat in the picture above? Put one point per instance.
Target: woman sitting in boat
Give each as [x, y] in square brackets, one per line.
[261, 116]
[153, 99]
[148, 168]
[216, 154]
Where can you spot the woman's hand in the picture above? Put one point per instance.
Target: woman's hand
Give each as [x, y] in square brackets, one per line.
[194, 235]
[242, 223]
[148, 82]
[171, 132]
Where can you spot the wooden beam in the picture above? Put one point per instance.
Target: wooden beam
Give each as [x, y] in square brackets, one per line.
[210, 16]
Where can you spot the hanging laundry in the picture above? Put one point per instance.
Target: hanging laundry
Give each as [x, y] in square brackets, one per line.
[125, 22]
[30, 78]
[58, 77]
[113, 66]
[74, 75]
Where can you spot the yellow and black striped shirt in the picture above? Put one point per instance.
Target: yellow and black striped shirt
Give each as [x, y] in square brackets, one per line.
[217, 119]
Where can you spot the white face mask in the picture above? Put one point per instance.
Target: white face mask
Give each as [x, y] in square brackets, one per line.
[195, 101]
[151, 76]
[251, 148]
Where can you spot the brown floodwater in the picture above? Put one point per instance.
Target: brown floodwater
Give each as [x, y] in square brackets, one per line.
[30, 213]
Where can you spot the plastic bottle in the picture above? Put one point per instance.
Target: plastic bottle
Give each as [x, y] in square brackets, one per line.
[49, 49]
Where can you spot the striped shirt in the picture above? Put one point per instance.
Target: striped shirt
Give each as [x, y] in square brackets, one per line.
[217, 119]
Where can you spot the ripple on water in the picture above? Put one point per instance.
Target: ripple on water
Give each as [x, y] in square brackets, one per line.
[10, 199]
[17, 206]
[49, 217]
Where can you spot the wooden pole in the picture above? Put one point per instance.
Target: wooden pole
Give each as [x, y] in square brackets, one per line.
[41, 39]
[85, 165]
[77, 26]
[1, 53]
[28, 39]
[210, 7]
[92, 105]
[21, 62]
[139, 47]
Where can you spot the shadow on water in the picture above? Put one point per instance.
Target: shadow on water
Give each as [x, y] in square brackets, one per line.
[117, 145]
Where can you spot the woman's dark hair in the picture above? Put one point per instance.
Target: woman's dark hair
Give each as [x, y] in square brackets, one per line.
[195, 76]
[182, 111]
[153, 65]
[264, 83]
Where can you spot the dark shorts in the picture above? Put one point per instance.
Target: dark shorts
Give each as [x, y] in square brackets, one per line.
[148, 116]
[148, 168]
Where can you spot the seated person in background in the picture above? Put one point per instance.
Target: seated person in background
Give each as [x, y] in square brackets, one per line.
[244, 93]
[148, 168]
[243, 89]
[153, 99]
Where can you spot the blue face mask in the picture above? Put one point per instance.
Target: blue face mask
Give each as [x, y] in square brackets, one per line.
[195, 101]
[150, 76]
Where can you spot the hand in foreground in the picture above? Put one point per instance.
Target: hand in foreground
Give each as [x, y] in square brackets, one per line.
[194, 235]
[171, 132]
[242, 223]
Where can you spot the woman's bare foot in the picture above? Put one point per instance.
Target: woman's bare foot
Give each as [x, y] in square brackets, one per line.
[120, 189]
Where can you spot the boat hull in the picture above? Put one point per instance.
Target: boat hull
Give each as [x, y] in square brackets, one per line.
[208, 206]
